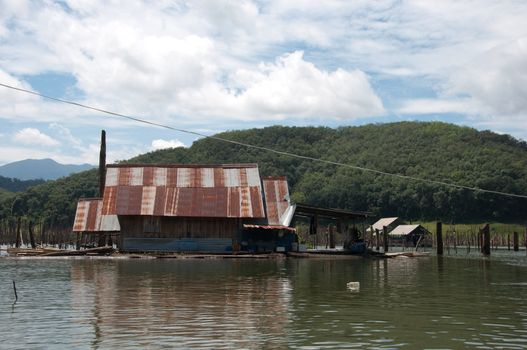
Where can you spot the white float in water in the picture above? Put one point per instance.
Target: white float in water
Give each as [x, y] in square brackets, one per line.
[353, 286]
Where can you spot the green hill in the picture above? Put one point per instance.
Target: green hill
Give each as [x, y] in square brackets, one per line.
[435, 151]
[16, 185]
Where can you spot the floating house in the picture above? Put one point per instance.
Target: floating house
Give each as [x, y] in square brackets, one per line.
[209, 208]
[197, 208]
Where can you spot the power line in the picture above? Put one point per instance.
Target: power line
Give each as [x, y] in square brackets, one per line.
[284, 153]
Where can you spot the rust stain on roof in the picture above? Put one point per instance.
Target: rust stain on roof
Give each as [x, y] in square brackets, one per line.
[89, 217]
[232, 190]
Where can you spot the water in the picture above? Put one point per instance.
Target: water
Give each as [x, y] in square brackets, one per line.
[432, 303]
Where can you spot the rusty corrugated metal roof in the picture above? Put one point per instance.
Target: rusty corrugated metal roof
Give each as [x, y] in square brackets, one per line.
[276, 198]
[89, 218]
[231, 190]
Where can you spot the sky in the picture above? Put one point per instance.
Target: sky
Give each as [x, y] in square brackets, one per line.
[210, 66]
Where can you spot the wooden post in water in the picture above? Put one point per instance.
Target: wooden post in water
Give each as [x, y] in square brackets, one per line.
[331, 236]
[439, 238]
[385, 238]
[515, 241]
[18, 232]
[102, 164]
[31, 235]
[508, 242]
[485, 249]
[378, 239]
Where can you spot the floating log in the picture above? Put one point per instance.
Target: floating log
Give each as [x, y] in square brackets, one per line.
[407, 254]
[58, 252]
[91, 251]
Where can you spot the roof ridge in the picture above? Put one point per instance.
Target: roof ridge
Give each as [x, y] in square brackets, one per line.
[154, 165]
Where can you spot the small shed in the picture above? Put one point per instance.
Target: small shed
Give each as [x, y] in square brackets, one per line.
[408, 233]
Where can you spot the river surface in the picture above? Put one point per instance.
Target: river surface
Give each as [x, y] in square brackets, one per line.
[419, 303]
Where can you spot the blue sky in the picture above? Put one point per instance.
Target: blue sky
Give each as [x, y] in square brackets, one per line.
[210, 66]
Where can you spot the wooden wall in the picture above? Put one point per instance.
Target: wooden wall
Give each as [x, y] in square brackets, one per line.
[178, 227]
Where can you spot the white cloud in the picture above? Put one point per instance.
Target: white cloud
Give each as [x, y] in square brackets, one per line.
[288, 88]
[160, 60]
[497, 79]
[210, 62]
[31, 136]
[66, 134]
[162, 144]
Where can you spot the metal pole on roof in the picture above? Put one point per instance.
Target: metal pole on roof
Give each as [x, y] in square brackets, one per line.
[102, 164]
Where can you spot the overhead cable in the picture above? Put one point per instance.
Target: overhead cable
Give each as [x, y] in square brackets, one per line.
[284, 153]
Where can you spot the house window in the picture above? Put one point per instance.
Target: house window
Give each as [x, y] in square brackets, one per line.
[151, 224]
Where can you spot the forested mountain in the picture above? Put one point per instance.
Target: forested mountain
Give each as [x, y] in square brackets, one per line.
[436, 151]
[47, 169]
[16, 185]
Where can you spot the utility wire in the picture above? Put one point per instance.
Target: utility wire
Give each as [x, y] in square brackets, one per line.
[288, 154]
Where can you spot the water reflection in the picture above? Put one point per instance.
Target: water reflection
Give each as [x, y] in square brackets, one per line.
[206, 304]
[403, 303]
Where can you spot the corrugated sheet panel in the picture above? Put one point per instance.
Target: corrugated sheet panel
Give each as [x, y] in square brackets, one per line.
[276, 198]
[89, 217]
[403, 230]
[232, 191]
[177, 245]
[383, 222]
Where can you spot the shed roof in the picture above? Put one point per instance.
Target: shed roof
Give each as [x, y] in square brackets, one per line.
[89, 218]
[403, 230]
[383, 222]
[309, 210]
[226, 190]
[276, 199]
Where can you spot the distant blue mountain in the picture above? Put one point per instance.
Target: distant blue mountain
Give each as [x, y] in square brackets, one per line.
[47, 169]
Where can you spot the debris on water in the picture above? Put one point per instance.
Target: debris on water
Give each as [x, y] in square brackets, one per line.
[353, 286]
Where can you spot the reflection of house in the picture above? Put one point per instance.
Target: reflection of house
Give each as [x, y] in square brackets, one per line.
[181, 304]
[408, 233]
